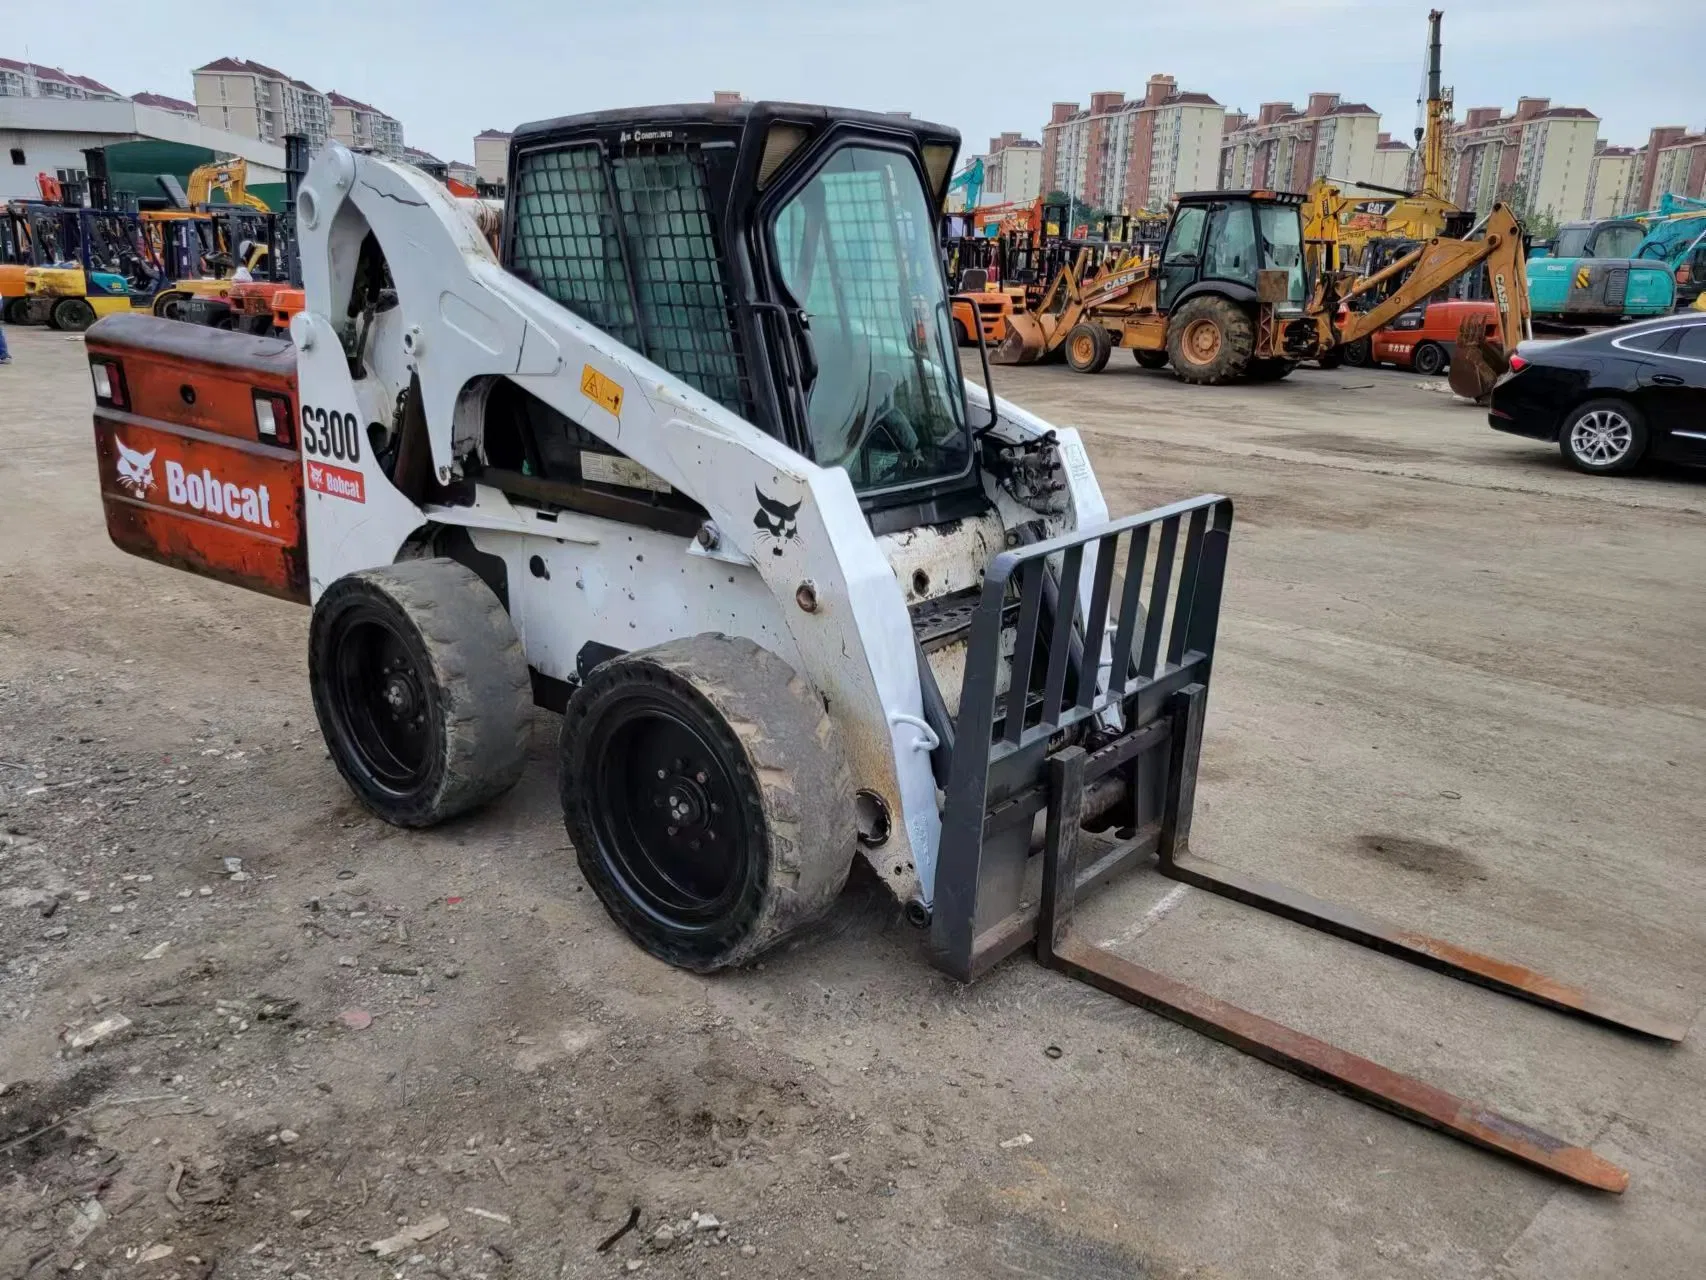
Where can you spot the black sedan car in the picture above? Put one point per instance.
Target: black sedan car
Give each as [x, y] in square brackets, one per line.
[1615, 398]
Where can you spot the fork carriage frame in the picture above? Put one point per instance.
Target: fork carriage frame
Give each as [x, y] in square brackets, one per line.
[1107, 732]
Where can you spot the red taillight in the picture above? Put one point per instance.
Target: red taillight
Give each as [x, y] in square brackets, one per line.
[108, 376]
[272, 419]
[1518, 364]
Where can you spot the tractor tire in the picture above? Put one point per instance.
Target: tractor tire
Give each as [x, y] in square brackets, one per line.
[1358, 354]
[17, 311]
[1150, 359]
[421, 689]
[71, 315]
[1210, 341]
[1272, 370]
[1331, 358]
[708, 798]
[1088, 348]
[1429, 359]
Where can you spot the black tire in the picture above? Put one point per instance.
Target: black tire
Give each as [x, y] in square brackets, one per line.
[1150, 359]
[17, 311]
[170, 306]
[1088, 348]
[1332, 358]
[1359, 354]
[1429, 359]
[1272, 370]
[740, 741]
[71, 315]
[1210, 341]
[1603, 437]
[427, 637]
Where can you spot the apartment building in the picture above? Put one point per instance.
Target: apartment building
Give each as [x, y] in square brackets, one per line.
[257, 101]
[1611, 176]
[1285, 149]
[1395, 164]
[1012, 170]
[1545, 152]
[1129, 155]
[30, 80]
[491, 156]
[1680, 169]
[164, 102]
[361, 127]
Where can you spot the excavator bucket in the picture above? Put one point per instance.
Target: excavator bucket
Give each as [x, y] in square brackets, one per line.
[1081, 709]
[1477, 361]
[1027, 339]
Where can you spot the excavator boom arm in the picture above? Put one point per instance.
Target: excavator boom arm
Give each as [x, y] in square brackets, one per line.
[1441, 261]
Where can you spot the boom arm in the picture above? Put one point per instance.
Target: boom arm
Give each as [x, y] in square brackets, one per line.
[1440, 261]
[231, 177]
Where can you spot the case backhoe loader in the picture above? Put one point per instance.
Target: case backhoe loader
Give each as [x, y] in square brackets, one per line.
[1229, 297]
[696, 465]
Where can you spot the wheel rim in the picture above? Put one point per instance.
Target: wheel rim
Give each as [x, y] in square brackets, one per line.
[1083, 349]
[1602, 438]
[1428, 360]
[667, 815]
[381, 702]
[1201, 341]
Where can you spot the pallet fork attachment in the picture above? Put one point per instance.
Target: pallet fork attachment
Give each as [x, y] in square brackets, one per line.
[1105, 732]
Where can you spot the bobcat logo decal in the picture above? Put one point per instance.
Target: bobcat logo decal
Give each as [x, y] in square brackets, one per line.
[776, 521]
[135, 469]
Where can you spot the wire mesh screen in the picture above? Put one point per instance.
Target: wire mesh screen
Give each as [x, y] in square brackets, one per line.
[565, 239]
[633, 252]
[678, 278]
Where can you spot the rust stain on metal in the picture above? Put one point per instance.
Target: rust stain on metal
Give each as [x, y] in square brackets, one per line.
[1337, 1068]
[1419, 948]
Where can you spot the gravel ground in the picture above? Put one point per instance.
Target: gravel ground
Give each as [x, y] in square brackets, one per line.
[248, 1031]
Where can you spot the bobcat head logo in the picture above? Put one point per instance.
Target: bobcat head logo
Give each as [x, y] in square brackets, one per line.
[776, 521]
[135, 469]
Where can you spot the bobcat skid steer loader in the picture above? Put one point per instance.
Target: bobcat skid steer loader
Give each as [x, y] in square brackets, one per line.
[696, 466]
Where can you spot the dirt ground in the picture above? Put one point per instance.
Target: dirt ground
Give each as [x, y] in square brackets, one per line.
[1458, 685]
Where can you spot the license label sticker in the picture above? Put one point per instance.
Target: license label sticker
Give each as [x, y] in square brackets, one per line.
[601, 390]
[336, 482]
[605, 468]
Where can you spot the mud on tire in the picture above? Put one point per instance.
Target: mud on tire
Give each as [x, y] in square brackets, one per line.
[1210, 341]
[708, 798]
[421, 689]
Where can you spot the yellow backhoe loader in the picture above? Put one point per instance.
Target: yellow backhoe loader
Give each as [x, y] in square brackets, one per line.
[1229, 298]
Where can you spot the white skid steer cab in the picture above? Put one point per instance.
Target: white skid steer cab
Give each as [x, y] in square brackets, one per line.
[695, 465]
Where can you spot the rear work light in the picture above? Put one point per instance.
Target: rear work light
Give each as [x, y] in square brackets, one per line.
[272, 419]
[109, 383]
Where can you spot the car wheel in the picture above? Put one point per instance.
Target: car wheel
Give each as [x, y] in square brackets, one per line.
[1603, 436]
[1428, 359]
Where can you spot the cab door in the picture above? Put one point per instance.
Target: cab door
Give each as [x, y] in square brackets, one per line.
[1181, 258]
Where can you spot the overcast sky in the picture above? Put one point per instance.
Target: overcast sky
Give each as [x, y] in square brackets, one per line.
[448, 68]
